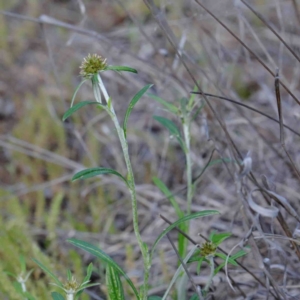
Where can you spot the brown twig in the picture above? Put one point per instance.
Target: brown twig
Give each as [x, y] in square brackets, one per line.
[282, 141]
[245, 46]
[248, 107]
[271, 28]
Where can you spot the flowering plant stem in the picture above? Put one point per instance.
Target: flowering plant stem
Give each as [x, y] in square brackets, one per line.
[190, 189]
[187, 139]
[212, 271]
[131, 187]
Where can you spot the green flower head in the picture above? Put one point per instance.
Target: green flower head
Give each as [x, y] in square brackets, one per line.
[208, 248]
[71, 285]
[91, 65]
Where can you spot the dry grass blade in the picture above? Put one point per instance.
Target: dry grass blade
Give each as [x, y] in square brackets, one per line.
[250, 108]
[271, 28]
[296, 9]
[282, 141]
[250, 51]
[160, 18]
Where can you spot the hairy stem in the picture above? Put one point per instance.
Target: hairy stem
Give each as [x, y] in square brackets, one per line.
[211, 275]
[132, 190]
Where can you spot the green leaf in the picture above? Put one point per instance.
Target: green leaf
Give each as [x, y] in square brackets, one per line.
[200, 261]
[96, 88]
[171, 126]
[87, 173]
[69, 275]
[164, 189]
[88, 272]
[83, 287]
[199, 214]
[154, 298]
[121, 69]
[240, 253]
[57, 296]
[194, 297]
[218, 238]
[169, 106]
[224, 257]
[104, 257]
[28, 296]
[132, 103]
[10, 274]
[114, 285]
[195, 256]
[23, 263]
[231, 260]
[179, 212]
[46, 270]
[183, 105]
[79, 105]
[76, 91]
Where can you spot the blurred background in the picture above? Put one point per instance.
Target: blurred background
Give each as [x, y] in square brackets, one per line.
[42, 44]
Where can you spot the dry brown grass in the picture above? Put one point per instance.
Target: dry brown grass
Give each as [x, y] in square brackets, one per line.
[40, 59]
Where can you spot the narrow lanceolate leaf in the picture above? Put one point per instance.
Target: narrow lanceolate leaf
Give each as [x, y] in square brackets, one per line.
[169, 106]
[88, 272]
[87, 173]
[169, 195]
[79, 105]
[104, 257]
[121, 69]
[57, 296]
[47, 271]
[168, 124]
[230, 260]
[96, 88]
[171, 126]
[199, 214]
[194, 297]
[113, 284]
[218, 238]
[132, 103]
[76, 91]
[28, 296]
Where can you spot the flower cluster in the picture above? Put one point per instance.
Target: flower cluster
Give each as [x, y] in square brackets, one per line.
[208, 248]
[91, 65]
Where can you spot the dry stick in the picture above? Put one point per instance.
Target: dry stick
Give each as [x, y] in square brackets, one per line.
[271, 28]
[250, 51]
[249, 107]
[195, 243]
[282, 141]
[184, 266]
[280, 218]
